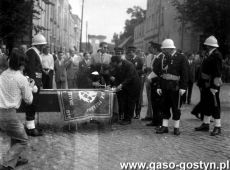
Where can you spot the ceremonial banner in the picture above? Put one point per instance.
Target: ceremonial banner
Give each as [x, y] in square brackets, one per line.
[86, 104]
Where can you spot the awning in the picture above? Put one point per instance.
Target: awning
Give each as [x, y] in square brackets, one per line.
[124, 42]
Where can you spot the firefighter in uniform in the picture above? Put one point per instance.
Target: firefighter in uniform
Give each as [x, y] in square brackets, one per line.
[33, 70]
[127, 83]
[209, 83]
[173, 73]
[153, 78]
[138, 63]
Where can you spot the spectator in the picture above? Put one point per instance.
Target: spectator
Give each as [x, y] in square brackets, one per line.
[84, 81]
[191, 77]
[60, 71]
[47, 68]
[14, 87]
[72, 70]
[226, 69]
[3, 62]
[23, 48]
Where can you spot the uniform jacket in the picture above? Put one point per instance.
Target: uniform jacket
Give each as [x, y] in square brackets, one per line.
[128, 77]
[176, 65]
[33, 67]
[138, 63]
[212, 67]
[60, 70]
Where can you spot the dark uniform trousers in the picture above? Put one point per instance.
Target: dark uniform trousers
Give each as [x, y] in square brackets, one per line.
[170, 99]
[33, 70]
[47, 80]
[211, 70]
[126, 105]
[156, 102]
[31, 109]
[210, 103]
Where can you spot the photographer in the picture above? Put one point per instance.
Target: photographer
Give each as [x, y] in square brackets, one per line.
[14, 87]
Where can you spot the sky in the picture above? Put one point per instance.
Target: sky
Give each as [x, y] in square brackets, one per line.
[104, 17]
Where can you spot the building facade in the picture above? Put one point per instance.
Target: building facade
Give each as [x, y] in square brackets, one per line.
[139, 33]
[57, 23]
[161, 23]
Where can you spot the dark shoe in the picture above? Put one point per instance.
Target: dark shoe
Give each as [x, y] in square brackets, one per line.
[5, 168]
[21, 161]
[216, 131]
[125, 122]
[152, 124]
[158, 127]
[203, 127]
[33, 132]
[176, 131]
[146, 119]
[162, 129]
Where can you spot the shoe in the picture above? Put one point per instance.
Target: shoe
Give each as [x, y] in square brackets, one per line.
[5, 168]
[176, 131]
[22, 161]
[216, 131]
[125, 122]
[158, 127]
[33, 132]
[146, 119]
[203, 127]
[152, 124]
[162, 129]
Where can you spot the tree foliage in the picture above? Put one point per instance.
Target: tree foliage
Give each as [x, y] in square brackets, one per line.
[16, 19]
[137, 16]
[211, 17]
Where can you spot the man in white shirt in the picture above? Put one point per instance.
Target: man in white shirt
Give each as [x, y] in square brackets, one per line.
[101, 62]
[14, 87]
[47, 69]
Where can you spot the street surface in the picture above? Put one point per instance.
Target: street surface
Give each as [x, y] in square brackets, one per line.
[94, 148]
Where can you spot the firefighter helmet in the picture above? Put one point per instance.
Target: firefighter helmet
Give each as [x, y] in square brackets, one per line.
[211, 41]
[39, 39]
[167, 43]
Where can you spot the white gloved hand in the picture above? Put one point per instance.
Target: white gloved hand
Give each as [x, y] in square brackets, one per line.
[213, 91]
[35, 89]
[182, 91]
[159, 92]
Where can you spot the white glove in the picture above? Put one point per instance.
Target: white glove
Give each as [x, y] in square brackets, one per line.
[35, 89]
[213, 91]
[182, 91]
[159, 92]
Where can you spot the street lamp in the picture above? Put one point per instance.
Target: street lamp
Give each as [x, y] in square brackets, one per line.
[82, 10]
[75, 35]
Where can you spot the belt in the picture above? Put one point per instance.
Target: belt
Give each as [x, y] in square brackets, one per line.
[205, 76]
[170, 77]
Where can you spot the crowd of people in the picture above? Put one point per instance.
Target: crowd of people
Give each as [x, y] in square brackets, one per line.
[167, 74]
